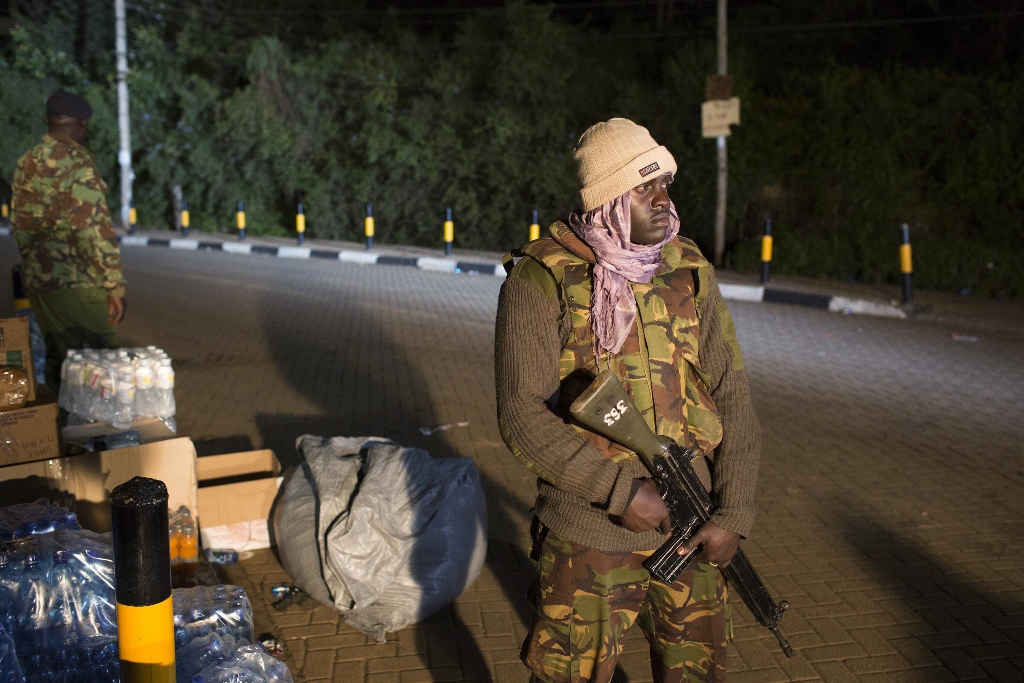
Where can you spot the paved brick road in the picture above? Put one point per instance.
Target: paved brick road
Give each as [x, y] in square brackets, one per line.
[890, 501]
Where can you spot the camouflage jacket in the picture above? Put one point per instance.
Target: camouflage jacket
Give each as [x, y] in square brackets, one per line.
[61, 220]
[681, 364]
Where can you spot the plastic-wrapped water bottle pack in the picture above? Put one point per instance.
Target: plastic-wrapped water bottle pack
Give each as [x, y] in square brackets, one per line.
[58, 613]
[203, 610]
[213, 639]
[30, 519]
[219, 658]
[57, 603]
[118, 385]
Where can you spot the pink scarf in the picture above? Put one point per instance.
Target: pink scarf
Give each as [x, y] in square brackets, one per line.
[619, 262]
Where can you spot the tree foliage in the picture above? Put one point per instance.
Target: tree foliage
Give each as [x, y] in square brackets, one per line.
[482, 117]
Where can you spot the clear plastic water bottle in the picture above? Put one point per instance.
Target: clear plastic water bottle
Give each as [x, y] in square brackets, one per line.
[64, 601]
[188, 555]
[145, 390]
[38, 346]
[98, 606]
[67, 371]
[9, 576]
[76, 392]
[221, 556]
[165, 406]
[210, 654]
[123, 413]
[106, 401]
[93, 386]
[32, 602]
[10, 670]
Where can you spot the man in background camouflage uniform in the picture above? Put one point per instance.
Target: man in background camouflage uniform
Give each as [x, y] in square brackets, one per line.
[614, 288]
[71, 264]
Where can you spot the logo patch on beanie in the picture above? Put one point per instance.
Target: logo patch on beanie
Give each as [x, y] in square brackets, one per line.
[649, 169]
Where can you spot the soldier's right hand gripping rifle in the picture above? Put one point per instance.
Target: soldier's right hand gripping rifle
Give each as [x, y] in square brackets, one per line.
[606, 408]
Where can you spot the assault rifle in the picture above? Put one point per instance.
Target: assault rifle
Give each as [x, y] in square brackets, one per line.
[606, 408]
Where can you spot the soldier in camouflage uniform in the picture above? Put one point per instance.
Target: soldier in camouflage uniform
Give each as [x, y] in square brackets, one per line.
[615, 288]
[71, 264]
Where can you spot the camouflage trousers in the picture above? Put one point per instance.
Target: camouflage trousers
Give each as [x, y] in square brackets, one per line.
[72, 318]
[585, 601]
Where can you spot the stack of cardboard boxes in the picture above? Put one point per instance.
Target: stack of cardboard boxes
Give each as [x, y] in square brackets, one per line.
[230, 494]
[30, 432]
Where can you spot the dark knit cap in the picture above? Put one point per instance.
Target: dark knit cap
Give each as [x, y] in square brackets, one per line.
[63, 103]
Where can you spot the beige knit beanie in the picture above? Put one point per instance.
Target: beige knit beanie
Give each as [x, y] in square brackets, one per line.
[613, 157]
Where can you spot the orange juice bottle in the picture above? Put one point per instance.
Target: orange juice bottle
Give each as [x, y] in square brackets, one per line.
[174, 534]
[188, 554]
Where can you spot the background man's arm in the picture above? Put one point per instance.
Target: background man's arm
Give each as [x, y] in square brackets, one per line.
[526, 358]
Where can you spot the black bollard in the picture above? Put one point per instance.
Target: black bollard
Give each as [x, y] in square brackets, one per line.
[20, 296]
[766, 251]
[184, 219]
[449, 232]
[240, 221]
[368, 227]
[300, 224]
[906, 265]
[142, 581]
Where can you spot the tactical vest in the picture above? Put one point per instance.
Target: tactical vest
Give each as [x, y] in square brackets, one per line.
[658, 362]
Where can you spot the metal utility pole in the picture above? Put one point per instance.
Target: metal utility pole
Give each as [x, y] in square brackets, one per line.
[723, 162]
[124, 157]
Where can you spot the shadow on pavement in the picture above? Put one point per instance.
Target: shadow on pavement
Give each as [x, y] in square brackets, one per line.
[974, 633]
[383, 395]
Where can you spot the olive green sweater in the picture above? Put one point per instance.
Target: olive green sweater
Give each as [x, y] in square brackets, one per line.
[588, 491]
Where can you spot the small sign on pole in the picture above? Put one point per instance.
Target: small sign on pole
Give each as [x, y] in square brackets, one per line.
[717, 115]
[717, 87]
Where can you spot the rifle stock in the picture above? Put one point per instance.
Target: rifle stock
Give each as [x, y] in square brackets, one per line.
[606, 408]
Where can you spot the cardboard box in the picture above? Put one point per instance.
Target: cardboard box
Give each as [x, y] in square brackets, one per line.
[88, 479]
[16, 349]
[31, 432]
[236, 492]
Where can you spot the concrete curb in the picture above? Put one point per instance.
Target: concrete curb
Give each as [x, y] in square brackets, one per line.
[362, 257]
[731, 292]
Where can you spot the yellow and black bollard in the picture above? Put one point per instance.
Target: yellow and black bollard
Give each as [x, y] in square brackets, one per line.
[368, 227]
[142, 581]
[132, 218]
[21, 301]
[449, 231]
[766, 251]
[184, 219]
[535, 228]
[906, 264]
[5, 212]
[240, 221]
[300, 224]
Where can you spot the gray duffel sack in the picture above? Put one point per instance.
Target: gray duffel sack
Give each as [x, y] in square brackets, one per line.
[384, 534]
